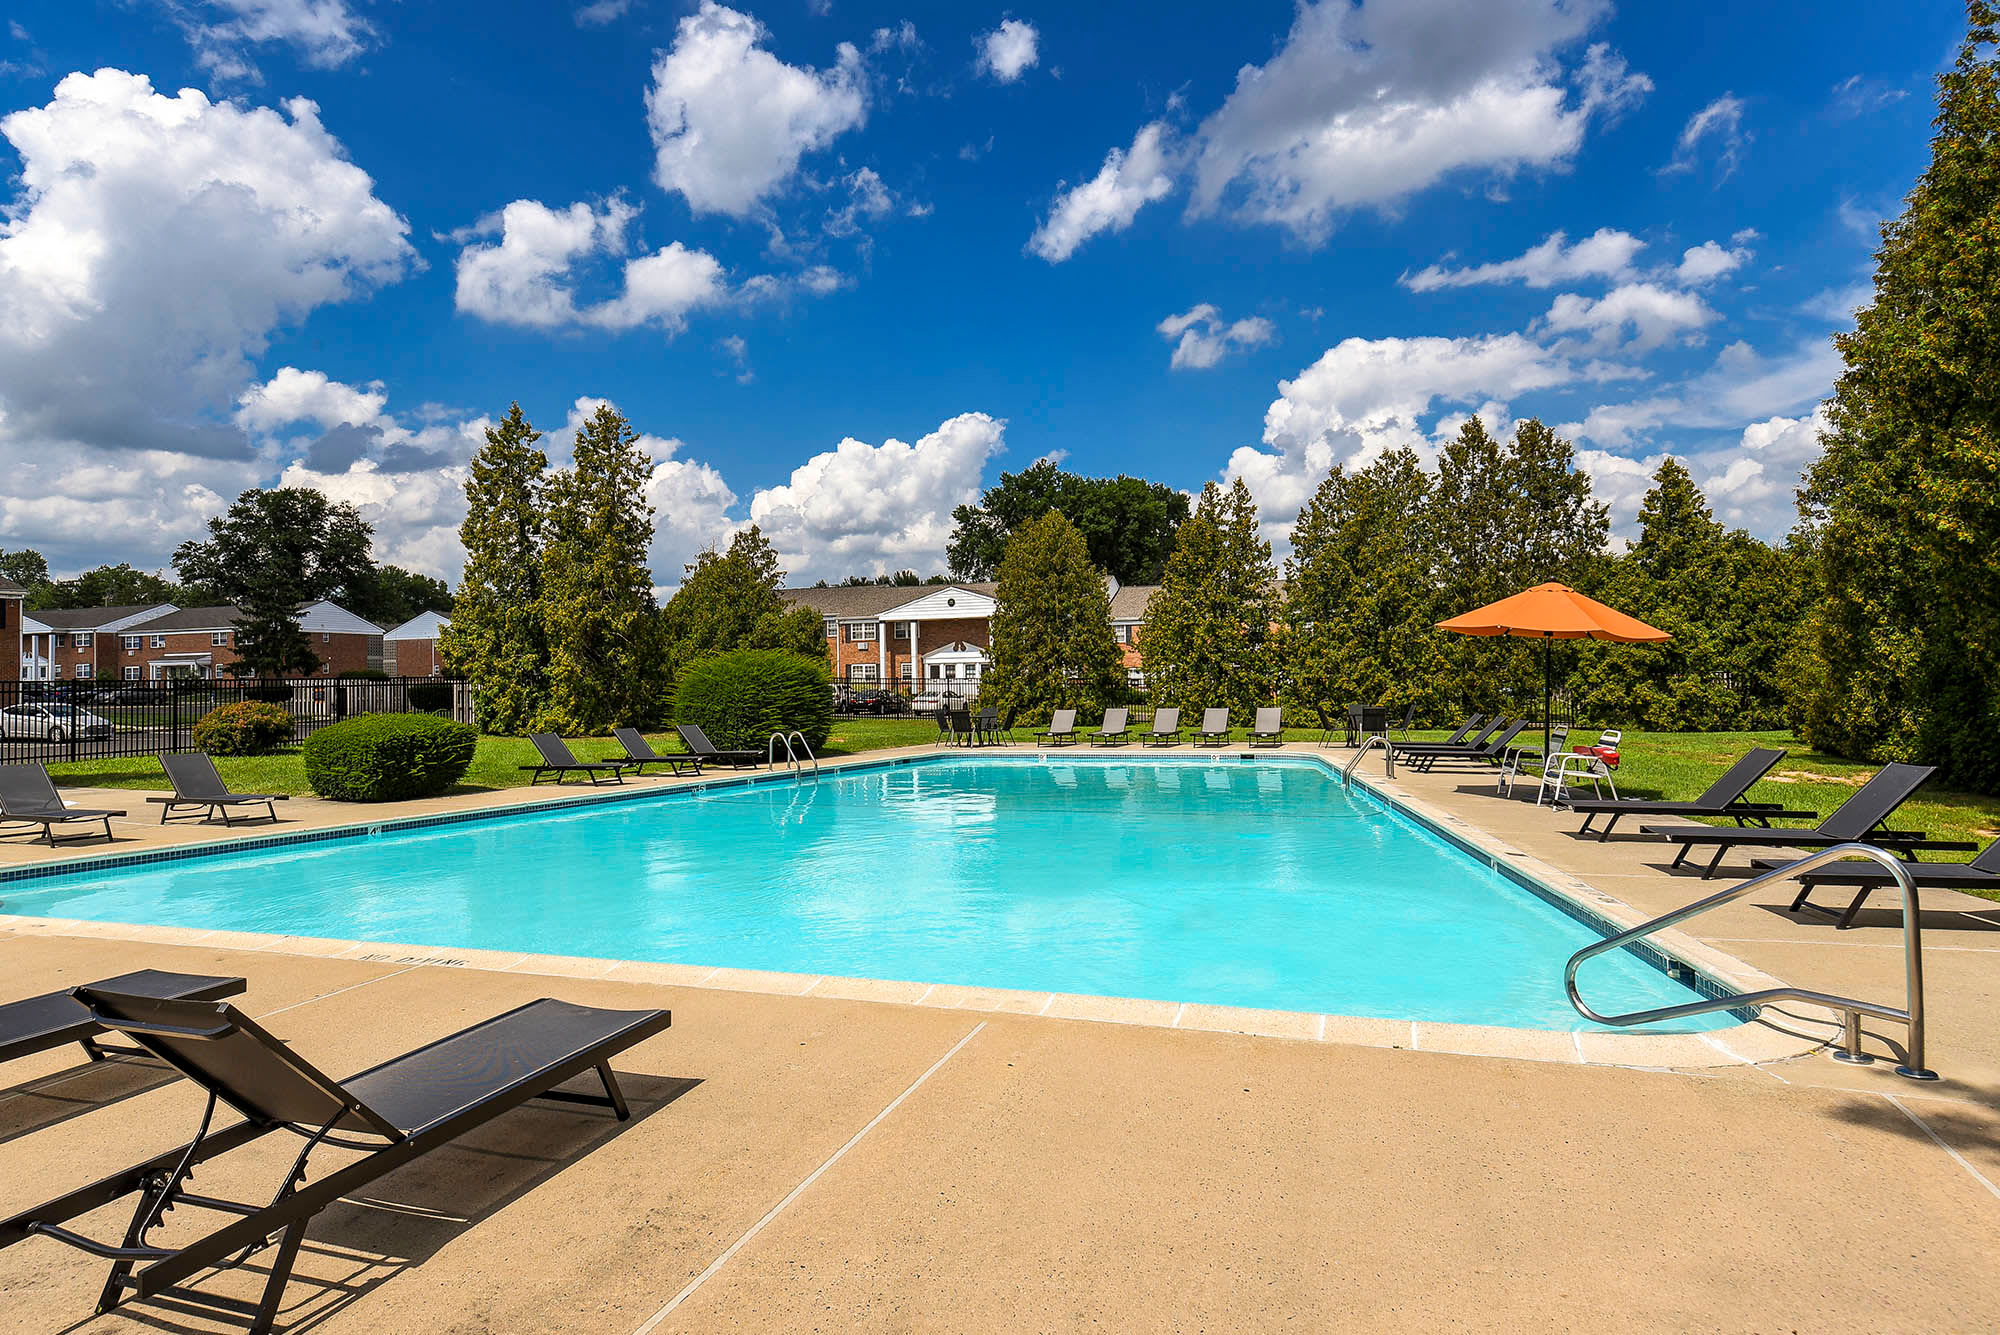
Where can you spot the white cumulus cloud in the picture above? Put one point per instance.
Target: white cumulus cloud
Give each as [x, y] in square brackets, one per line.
[154, 246]
[1605, 253]
[1709, 261]
[1010, 50]
[1650, 313]
[1129, 180]
[730, 121]
[1202, 338]
[324, 33]
[875, 509]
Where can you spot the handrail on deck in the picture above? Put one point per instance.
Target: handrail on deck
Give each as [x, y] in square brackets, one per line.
[1388, 759]
[792, 761]
[1911, 1016]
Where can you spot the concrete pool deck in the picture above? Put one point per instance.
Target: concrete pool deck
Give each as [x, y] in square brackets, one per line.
[822, 1162]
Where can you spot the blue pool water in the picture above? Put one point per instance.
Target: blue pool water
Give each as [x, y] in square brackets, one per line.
[1219, 880]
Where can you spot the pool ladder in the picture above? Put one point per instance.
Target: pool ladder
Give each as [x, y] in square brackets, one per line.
[1911, 1015]
[792, 761]
[1388, 759]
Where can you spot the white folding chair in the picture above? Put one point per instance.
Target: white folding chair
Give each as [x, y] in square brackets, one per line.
[1579, 767]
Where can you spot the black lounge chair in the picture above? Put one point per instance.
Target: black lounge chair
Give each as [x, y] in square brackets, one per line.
[1723, 798]
[1422, 756]
[58, 1018]
[392, 1113]
[1857, 820]
[28, 797]
[197, 785]
[1982, 873]
[1114, 731]
[639, 753]
[1061, 730]
[1166, 729]
[559, 760]
[698, 745]
[1214, 728]
[1471, 737]
[1269, 729]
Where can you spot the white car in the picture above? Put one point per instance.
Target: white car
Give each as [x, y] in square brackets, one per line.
[51, 722]
[930, 702]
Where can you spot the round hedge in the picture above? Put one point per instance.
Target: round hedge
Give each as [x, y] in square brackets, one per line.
[740, 698]
[388, 757]
[249, 728]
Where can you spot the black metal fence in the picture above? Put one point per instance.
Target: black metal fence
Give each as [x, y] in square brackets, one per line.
[86, 720]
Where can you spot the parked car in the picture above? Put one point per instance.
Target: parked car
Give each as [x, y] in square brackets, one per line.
[867, 700]
[51, 722]
[930, 702]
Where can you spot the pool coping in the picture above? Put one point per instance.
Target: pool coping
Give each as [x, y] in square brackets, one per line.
[1714, 972]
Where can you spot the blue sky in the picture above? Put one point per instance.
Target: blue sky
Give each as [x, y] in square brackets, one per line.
[844, 263]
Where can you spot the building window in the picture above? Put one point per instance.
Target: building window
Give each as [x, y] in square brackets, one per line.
[907, 671]
[131, 642]
[902, 630]
[83, 672]
[56, 672]
[219, 639]
[159, 641]
[858, 632]
[84, 639]
[131, 674]
[1122, 634]
[861, 672]
[831, 625]
[1135, 679]
[325, 637]
[59, 641]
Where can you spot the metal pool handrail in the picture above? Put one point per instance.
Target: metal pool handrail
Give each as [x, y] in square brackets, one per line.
[1388, 759]
[1911, 1016]
[792, 760]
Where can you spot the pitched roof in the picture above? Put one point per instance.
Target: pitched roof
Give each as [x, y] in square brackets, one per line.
[189, 618]
[869, 600]
[9, 589]
[94, 618]
[315, 617]
[1129, 604]
[422, 626]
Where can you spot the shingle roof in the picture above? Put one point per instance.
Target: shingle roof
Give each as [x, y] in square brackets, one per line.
[89, 618]
[189, 618]
[10, 588]
[1130, 602]
[867, 600]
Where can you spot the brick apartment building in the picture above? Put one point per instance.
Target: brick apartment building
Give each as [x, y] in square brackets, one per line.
[934, 637]
[152, 643]
[411, 649]
[12, 599]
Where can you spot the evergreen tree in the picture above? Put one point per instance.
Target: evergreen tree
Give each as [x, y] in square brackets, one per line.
[1558, 531]
[607, 659]
[1052, 644]
[269, 642]
[1902, 508]
[496, 640]
[1208, 629]
[1360, 602]
[729, 600]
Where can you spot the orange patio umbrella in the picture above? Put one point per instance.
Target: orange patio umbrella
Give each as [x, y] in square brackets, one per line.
[1551, 612]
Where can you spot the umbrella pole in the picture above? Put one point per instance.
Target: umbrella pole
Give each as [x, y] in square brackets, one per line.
[1548, 707]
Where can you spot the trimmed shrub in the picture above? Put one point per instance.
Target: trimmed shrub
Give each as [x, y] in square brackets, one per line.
[431, 697]
[388, 757]
[251, 728]
[740, 698]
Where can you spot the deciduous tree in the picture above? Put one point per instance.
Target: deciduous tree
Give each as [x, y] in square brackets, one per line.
[729, 600]
[1127, 523]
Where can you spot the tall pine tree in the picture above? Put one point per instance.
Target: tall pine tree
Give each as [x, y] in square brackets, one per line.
[1208, 629]
[1903, 508]
[607, 660]
[1052, 644]
[1359, 598]
[496, 639]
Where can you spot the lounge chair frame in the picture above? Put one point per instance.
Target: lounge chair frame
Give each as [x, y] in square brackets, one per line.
[1110, 736]
[1422, 756]
[48, 810]
[1982, 873]
[1207, 736]
[699, 746]
[56, 1019]
[639, 753]
[560, 761]
[1163, 736]
[1724, 797]
[1272, 736]
[216, 801]
[161, 1182]
[1061, 730]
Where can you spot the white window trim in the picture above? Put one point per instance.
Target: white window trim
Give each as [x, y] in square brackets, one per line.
[84, 639]
[131, 673]
[131, 643]
[218, 639]
[83, 672]
[159, 641]
[861, 672]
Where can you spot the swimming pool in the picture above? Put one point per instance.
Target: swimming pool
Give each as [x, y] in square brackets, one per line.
[1215, 879]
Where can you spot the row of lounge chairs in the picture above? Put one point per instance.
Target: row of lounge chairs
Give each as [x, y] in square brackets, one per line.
[388, 1115]
[1862, 818]
[30, 803]
[1116, 729]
